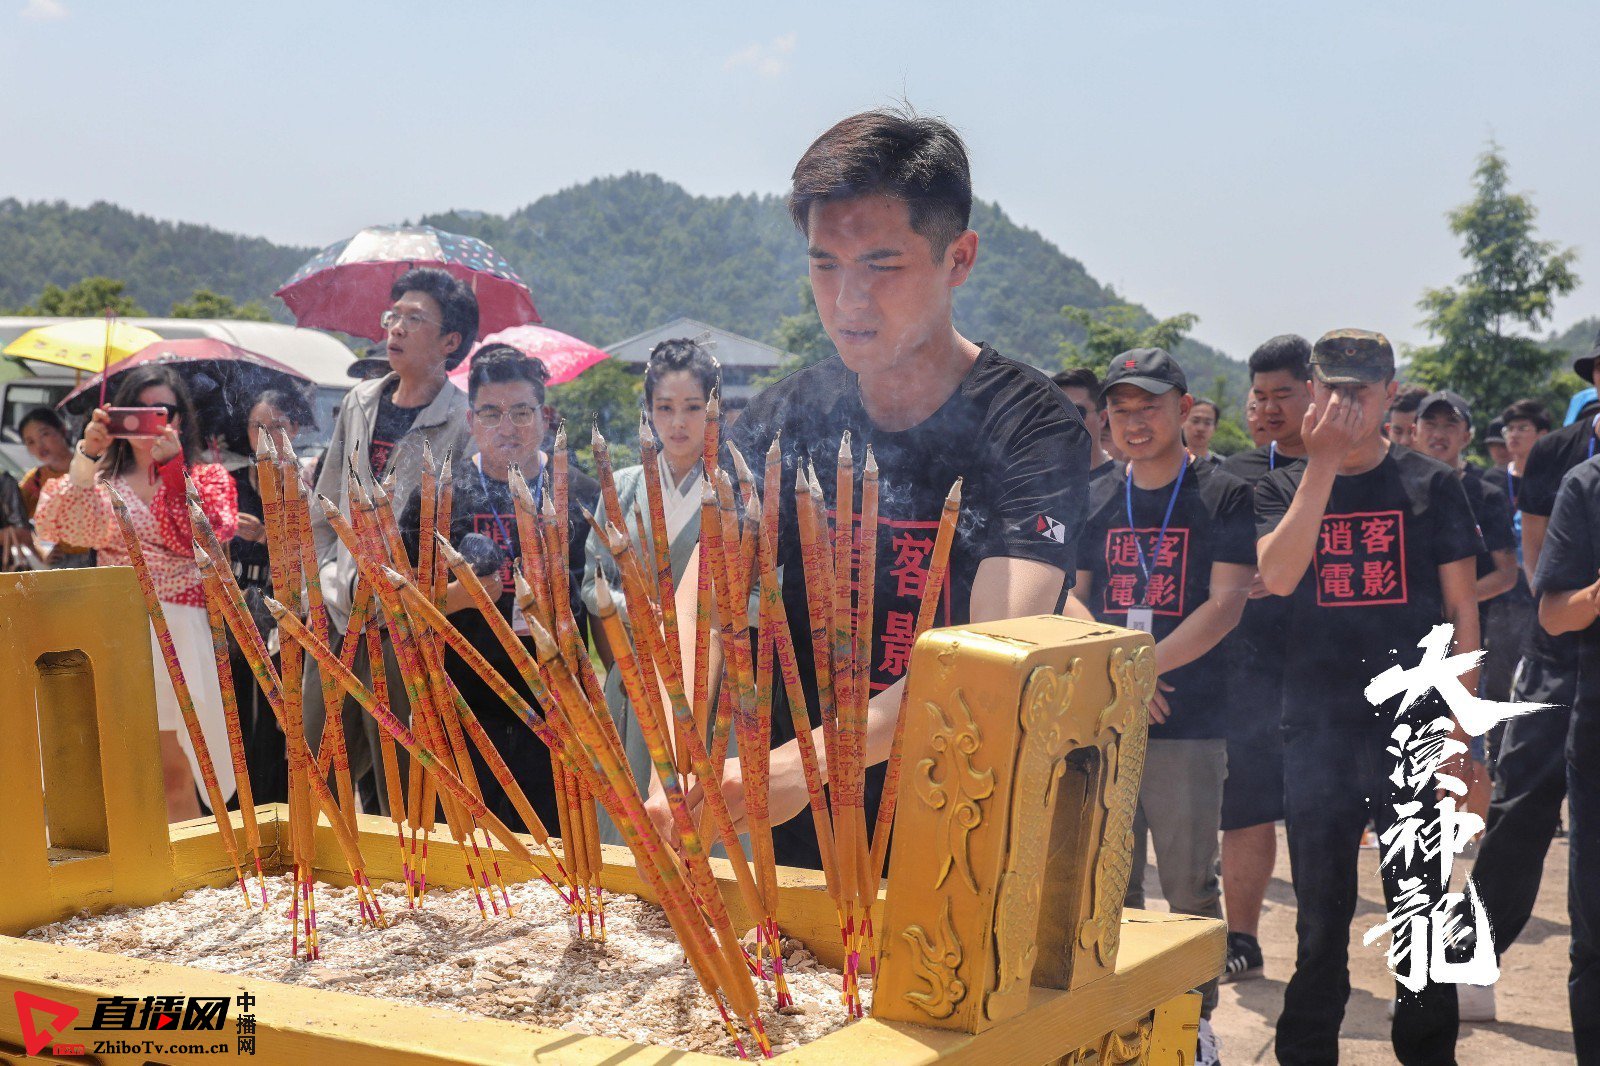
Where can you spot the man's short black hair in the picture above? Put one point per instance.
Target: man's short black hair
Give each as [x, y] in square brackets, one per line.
[458, 307]
[1408, 399]
[1527, 411]
[1286, 351]
[1200, 401]
[896, 153]
[43, 416]
[1081, 377]
[500, 363]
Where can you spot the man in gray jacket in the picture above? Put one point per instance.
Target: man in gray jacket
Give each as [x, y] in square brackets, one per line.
[382, 424]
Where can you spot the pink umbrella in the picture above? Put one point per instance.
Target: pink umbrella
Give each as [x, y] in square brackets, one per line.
[565, 357]
[345, 286]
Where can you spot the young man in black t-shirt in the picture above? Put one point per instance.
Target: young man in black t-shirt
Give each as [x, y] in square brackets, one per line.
[1376, 545]
[883, 199]
[1082, 387]
[1169, 548]
[507, 415]
[1569, 604]
[1252, 796]
[1530, 765]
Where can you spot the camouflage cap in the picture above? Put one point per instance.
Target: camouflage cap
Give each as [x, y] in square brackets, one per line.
[1352, 357]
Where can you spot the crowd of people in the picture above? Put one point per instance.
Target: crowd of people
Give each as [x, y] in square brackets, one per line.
[1276, 582]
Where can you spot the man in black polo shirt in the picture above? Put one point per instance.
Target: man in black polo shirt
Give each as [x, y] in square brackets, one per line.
[1530, 770]
[1169, 548]
[1252, 796]
[1569, 604]
[1376, 546]
[883, 199]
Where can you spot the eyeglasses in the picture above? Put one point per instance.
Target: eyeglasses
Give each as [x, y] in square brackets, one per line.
[521, 416]
[410, 320]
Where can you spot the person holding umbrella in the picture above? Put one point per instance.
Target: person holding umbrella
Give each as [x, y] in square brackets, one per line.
[430, 326]
[148, 472]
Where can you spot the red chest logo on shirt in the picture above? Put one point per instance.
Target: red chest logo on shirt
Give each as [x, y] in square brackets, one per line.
[905, 549]
[1361, 559]
[1125, 581]
[379, 456]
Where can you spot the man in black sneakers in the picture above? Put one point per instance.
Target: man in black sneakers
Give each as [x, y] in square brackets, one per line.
[1252, 797]
[1169, 549]
[1375, 544]
[1530, 766]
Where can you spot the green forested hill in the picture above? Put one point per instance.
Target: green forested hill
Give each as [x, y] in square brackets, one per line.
[605, 260]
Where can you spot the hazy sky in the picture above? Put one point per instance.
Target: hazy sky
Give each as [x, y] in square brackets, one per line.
[1269, 166]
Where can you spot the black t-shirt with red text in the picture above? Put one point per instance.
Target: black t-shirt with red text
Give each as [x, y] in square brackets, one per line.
[389, 428]
[1022, 452]
[1372, 590]
[1213, 521]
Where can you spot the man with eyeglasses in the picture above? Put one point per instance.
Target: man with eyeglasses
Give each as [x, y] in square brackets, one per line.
[431, 325]
[506, 397]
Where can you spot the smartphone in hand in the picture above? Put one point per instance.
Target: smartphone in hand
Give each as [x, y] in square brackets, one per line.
[136, 421]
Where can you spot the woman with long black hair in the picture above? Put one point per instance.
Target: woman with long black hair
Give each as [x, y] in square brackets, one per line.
[149, 473]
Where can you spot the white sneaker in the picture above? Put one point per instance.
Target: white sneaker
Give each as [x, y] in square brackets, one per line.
[1209, 1052]
[1475, 1003]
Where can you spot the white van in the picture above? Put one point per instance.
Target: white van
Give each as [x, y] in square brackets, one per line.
[317, 355]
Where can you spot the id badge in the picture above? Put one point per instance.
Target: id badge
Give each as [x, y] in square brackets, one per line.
[1143, 619]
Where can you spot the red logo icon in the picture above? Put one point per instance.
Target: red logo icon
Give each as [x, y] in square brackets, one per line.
[36, 1037]
[1130, 364]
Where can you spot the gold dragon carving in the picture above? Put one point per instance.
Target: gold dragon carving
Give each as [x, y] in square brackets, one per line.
[1125, 1046]
[949, 783]
[1046, 739]
[1122, 737]
[936, 961]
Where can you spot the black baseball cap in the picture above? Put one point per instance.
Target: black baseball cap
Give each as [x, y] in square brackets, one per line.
[1150, 369]
[1584, 367]
[1496, 433]
[1452, 400]
[1352, 357]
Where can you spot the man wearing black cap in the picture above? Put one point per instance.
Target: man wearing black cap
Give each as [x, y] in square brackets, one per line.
[1530, 767]
[1375, 544]
[1494, 442]
[1169, 549]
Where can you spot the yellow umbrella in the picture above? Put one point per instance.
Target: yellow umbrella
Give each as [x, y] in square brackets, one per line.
[86, 344]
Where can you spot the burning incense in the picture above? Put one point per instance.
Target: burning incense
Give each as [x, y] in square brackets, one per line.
[221, 608]
[938, 566]
[180, 687]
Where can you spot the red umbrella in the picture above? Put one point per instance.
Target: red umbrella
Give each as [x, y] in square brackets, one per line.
[345, 286]
[223, 381]
[565, 357]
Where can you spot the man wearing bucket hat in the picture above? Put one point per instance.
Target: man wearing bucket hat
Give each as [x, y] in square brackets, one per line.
[1375, 545]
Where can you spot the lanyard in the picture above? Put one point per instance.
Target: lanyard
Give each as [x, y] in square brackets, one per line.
[1272, 455]
[1594, 427]
[1511, 480]
[483, 481]
[1161, 538]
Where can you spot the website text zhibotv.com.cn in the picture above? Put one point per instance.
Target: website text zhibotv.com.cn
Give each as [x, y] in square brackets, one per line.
[138, 1025]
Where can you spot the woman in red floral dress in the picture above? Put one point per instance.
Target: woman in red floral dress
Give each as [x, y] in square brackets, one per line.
[148, 472]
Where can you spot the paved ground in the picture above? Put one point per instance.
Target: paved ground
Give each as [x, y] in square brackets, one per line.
[1534, 1026]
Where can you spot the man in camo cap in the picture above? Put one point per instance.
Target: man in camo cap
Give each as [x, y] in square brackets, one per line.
[1374, 545]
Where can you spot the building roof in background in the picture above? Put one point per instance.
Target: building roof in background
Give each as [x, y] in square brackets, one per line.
[730, 348]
